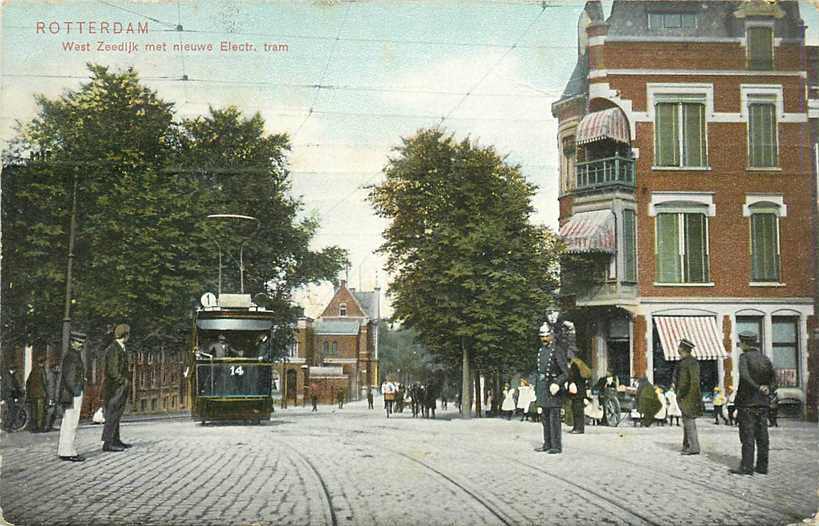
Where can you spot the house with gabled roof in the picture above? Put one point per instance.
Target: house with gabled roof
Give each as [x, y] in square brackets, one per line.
[344, 343]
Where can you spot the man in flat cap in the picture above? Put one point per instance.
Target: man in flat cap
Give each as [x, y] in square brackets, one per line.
[37, 394]
[689, 397]
[115, 391]
[756, 382]
[72, 385]
[553, 372]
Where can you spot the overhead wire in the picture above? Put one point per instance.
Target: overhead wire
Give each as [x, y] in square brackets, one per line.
[496, 64]
[324, 71]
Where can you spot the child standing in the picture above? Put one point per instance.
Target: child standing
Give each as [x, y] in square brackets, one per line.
[719, 402]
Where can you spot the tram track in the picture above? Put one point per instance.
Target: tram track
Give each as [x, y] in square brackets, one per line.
[502, 517]
[688, 480]
[578, 490]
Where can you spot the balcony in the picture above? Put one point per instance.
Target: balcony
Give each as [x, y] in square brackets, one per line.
[609, 173]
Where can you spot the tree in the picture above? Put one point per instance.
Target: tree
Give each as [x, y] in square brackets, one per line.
[472, 275]
[145, 183]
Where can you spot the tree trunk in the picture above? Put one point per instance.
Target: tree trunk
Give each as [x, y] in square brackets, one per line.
[466, 382]
[478, 397]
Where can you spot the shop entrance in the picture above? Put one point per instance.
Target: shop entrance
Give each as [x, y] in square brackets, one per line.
[619, 360]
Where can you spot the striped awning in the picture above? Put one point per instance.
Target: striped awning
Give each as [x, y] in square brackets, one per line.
[605, 124]
[590, 232]
[701, 330]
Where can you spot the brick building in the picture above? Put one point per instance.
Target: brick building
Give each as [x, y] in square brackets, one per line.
[338, 350]
[688, 187]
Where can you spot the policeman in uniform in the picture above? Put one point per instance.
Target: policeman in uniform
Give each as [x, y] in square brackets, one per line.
[756, 382]
[552, 373]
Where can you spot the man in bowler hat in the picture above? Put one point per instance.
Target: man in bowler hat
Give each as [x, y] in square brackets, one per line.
[552, 373]
[689, 396]
[72, 385]
[115, 391]
[756, 382]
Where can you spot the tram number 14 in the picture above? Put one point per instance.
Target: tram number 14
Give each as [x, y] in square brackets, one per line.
[236, 370]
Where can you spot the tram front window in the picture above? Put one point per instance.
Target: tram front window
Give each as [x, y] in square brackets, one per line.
[233, 379]
[232, 344]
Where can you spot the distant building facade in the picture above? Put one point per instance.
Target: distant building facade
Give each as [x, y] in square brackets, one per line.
[687, 137]
[338, 351]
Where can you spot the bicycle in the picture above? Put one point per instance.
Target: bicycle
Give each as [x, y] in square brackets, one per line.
[15, 415]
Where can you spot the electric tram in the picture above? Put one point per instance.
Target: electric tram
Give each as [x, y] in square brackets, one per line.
[232, 354]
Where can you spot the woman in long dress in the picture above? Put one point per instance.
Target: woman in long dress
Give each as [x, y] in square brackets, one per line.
[508, 406]
[526, 394]
[661, 415]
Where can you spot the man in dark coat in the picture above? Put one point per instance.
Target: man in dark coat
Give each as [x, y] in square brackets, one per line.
[116, 388]
[689, 397]
[72, 385]
[577, 394]
[12, 395]
[552, 373]
[37, 394]
[54, 408]
[756, 383]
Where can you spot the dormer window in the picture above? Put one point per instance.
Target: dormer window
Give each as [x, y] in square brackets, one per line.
[342, 309]
[760, 47]
[658, 21]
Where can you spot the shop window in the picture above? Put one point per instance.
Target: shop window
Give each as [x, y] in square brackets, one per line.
[762, 136]
[760, 48]
[786, 350]
[752, 324]
[680, 135]
[682, 248]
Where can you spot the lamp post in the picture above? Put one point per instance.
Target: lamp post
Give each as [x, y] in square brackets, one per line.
[72, 232]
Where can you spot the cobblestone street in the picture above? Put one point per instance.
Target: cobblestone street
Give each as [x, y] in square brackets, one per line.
[354, 466]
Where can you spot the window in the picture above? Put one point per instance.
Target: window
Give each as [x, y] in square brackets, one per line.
[342, 309]
[334, 348]
[680, 134]
[568, 164]
[752, 324]
[762, 140]
[325, 347]
[682, 248]
[629, 246]
[293, 350]
[786, 350]
[764, 245]
[672, 20]
[760, 48]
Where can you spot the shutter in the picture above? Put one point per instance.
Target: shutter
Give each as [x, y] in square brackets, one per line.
[668, 257]
[762, 135]
[693, 134]
[764, 257]
[666, 132]
[629, 246]
[696, 257]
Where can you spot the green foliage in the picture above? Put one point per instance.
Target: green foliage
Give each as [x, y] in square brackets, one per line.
[401, 355]
[144, 250]
[469, 267]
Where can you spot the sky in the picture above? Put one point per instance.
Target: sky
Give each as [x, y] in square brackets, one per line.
[346, 80]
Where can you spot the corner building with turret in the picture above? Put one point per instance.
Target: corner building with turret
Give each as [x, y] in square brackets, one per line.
[687, 141]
